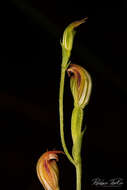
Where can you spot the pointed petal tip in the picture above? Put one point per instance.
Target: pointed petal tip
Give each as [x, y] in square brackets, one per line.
[78, 22]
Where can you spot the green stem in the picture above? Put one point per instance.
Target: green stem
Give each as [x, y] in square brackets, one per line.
[61, 93]
[78, 175]
[77, 137]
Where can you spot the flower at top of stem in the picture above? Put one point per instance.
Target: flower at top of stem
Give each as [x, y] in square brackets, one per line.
[68, 35]
[80, 84]
[47, 170]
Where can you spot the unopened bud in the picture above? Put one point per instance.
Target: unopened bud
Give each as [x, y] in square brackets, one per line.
[68, 36]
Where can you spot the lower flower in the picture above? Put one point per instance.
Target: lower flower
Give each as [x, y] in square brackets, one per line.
[47, 170]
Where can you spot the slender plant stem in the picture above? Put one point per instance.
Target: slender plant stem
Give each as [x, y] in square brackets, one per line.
[78, 175]
[77, 137]
[61, 93]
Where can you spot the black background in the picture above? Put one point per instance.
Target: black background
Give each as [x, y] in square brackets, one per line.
[29, 87]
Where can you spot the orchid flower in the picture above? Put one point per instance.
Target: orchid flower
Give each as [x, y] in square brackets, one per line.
[47, 170]
[80, 84]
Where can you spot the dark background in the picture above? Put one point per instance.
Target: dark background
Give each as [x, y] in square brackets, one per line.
[30, 58]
